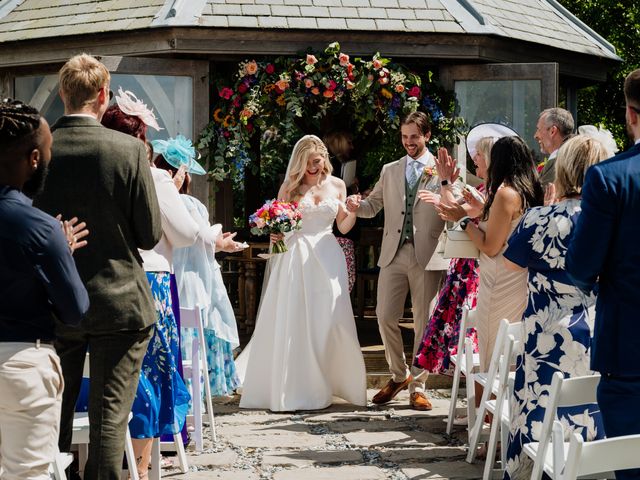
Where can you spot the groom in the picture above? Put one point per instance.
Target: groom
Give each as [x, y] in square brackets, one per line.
[411, 231]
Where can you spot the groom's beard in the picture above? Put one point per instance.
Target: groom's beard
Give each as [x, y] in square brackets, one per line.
[33, 187]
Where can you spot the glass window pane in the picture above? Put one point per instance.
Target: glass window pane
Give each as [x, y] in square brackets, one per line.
[516, 103]
[170, 97]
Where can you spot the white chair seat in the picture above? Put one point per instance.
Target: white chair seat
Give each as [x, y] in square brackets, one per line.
[531, 450]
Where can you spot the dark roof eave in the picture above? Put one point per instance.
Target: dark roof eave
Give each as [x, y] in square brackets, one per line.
[218, 43]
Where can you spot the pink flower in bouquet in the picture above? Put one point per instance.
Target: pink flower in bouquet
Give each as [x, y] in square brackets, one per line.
[332, 85]
[414, 91]
[311, 60]
[260, 223]
[400, 88]
[236, 102]
[308, 82]
[344, 59]
[383, 80]
[349, 84]
[377, 64]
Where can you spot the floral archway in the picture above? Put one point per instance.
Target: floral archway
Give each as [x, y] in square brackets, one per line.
[264, 107]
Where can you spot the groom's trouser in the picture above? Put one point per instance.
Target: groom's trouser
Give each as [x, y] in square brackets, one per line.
[401, 276]
[115, 362]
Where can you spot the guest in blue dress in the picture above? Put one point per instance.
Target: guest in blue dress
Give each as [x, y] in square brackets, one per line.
[200, 285]
[557, 325]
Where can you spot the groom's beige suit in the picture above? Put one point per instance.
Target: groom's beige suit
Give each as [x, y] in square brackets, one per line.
[403, 263]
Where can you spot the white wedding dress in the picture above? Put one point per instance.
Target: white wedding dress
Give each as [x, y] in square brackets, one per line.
[305, 349]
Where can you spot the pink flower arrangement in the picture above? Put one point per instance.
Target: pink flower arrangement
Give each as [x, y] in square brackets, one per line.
[308, 82]
[344, 59]
[311, 59]
[399, 88]
[282, 84]
[377, 64]
[251, 67]
[276, 217]
[332, 85]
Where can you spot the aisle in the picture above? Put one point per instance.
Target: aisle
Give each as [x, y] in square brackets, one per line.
[338, 443]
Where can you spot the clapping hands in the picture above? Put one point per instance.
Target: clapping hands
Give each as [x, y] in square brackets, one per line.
[227, 243]
[446, 166]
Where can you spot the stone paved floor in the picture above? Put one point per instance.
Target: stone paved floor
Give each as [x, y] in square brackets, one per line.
[340, 443]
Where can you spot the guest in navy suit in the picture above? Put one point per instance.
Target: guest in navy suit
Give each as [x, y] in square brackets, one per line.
[604, 257]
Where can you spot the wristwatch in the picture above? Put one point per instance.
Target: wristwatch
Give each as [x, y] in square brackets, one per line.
[444, 183]
[464, 222]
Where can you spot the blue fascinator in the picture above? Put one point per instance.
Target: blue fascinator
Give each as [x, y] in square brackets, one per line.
[179, 151]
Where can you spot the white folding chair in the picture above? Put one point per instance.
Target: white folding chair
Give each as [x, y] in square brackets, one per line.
[59, 465]
[600, 456]
[563, 393]
[499, 407]
[458, 359]
[198, 367]
[491, 384]
[80, 436]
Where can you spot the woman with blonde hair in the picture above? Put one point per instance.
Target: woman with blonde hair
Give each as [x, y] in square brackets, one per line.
[305, 350]
[556, 321]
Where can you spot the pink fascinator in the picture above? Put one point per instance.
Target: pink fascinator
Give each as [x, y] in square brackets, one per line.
[132, 105]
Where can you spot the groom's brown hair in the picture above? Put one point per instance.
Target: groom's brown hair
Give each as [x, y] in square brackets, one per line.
[420, 119]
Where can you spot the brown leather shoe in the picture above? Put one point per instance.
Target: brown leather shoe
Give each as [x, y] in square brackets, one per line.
[419, 401]
[390, 390]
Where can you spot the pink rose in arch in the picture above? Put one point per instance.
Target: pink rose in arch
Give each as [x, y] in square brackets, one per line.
[311, 60]
[414, 91]
[377, 64]
[344, 59]
[332, 85]
[270, 68]
[308, 82]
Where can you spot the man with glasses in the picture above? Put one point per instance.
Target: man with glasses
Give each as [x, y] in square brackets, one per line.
[103, 177]
[554, 126]
[604, 257]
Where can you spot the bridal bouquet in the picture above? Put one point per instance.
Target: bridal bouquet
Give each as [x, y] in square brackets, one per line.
[276, 217]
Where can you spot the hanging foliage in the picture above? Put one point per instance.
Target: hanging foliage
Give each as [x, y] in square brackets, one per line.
[283, 99]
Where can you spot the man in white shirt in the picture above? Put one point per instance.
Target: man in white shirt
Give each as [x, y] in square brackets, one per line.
[554, 126]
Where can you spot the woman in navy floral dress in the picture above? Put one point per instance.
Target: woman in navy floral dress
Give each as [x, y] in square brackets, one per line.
[556, 322]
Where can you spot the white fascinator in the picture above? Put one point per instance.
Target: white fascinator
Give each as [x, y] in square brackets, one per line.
[604, 136]
[132, 105]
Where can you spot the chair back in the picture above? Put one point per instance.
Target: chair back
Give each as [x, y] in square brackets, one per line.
[599, 456]
[562, 393]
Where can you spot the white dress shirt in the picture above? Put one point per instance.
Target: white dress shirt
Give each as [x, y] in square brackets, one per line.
[426, 160]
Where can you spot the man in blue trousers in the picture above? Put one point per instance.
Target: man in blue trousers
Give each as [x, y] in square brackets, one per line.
[604, 256]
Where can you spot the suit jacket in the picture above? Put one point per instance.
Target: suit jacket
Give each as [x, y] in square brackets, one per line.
[103, 177]
[604, 253]
[389, 193]
[548, 173]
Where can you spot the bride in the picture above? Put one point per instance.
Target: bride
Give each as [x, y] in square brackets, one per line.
[305, 348]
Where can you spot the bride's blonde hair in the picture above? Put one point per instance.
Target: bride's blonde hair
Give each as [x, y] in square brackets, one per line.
[303, 149]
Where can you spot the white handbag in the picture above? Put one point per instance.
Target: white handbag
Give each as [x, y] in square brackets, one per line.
[459, 245]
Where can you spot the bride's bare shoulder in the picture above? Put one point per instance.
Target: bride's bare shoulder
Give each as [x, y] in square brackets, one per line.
[336, 181]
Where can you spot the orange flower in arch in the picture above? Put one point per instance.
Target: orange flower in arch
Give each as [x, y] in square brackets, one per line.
[281, 101]
[269, 88]
[328, 94]
[251, 67]
[228, 121]
[386, 93]
[217, 117]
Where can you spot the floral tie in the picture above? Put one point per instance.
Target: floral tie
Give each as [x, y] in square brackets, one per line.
[414, 173]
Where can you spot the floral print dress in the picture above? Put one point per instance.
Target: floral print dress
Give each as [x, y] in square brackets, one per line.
[440, 339]
[557, 331]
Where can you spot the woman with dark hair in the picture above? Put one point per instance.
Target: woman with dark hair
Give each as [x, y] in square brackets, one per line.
[512, 187]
